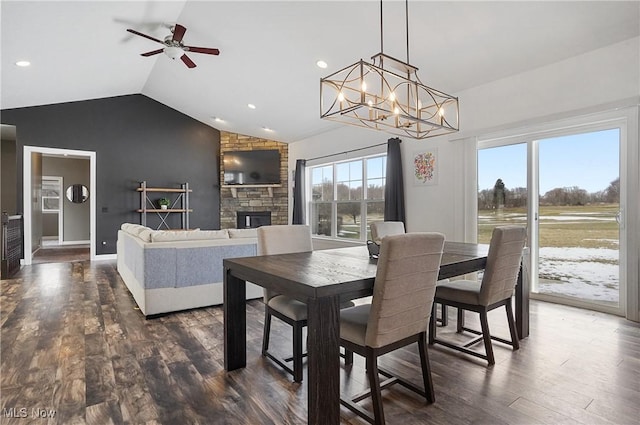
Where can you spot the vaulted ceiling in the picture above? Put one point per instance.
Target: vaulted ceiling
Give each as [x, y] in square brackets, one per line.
[81, 50]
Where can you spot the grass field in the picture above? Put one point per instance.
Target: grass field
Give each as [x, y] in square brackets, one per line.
[589, 226]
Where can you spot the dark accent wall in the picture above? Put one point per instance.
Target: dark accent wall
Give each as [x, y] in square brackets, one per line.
[135, 138]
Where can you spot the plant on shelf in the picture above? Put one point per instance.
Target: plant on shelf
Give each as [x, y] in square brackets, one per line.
[164, 203]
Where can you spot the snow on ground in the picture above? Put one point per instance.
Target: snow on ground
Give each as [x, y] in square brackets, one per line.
[575, 218]
[590, 274]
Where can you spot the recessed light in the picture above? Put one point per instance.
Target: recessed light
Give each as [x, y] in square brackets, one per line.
[23, 63]
[321, 64]
[251, 106]
[267, 129]
[217, 119]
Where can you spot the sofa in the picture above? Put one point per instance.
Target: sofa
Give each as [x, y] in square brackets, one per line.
[168, 270]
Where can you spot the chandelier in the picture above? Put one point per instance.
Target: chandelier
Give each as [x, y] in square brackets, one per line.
[387, 95]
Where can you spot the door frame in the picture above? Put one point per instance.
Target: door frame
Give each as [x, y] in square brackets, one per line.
[27, 195]
[626, 118]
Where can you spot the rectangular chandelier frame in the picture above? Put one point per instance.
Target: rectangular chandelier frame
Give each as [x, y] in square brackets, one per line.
[372, 95]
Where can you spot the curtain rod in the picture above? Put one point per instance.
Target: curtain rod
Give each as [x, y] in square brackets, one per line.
[345, 152]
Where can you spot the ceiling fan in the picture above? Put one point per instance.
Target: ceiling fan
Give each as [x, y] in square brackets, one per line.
[173, 46]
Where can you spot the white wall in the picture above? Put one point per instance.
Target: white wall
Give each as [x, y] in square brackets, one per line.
[588, 82]
[597, 81]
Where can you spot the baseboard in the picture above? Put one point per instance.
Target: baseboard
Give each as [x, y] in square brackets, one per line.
[75, 242]
[102, 257]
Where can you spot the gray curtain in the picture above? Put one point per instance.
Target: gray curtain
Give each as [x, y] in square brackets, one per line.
[394, 186]
[298, 192]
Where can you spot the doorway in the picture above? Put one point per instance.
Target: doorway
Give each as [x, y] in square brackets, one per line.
[566, 186]
[32, 195]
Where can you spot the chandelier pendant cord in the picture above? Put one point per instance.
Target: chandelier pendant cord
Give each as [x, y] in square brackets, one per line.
[406, 17]
[381, 30]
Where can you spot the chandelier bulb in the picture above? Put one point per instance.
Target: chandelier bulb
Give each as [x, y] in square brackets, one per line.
[392, 97]
[396, 110]
[340, 97]
[364, 86]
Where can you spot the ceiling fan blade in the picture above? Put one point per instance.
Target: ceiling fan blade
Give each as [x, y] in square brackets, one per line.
[187, 61]
[178, 32]
[205, 50]
[154, 52]
[144, 35]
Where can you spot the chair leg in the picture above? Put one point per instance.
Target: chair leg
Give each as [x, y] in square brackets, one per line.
[486, 336]
[460, 325]
[297, 352]
[426, 369]
[267, 331]
[348, 357]
[432, 325]
[374, 382]
[515, 341]
[445, 314]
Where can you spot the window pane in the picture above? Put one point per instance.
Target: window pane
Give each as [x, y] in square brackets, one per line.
[321, 219]
[322, 183]
[342, 172]
[376, 167]
[50, 188]
[51, 203]
[349, 214]
[355, 170]
[375, 189]
[375, 213]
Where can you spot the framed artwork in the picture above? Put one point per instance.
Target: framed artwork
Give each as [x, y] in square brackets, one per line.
[425, 167]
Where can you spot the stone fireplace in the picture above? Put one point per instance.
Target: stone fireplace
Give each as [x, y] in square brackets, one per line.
[253, 219]
[253, 199]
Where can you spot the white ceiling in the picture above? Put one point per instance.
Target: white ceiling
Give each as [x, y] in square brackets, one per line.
[80, 50]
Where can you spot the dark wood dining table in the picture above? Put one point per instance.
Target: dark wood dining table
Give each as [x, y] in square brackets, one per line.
[323, 279]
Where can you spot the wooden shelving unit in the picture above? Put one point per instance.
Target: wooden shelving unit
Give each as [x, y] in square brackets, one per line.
[180, 204]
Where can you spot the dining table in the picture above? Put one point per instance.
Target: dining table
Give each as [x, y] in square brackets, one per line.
[323, 279]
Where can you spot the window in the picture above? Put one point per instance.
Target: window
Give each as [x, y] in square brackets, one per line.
[51, 190]
[347, 196]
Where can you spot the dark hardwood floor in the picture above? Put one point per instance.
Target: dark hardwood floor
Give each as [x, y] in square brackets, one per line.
[73, 345]
[61, 254]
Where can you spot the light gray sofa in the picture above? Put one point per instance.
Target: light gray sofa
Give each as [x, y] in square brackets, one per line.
[169, 271]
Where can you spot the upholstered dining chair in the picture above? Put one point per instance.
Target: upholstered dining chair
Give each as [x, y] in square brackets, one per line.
[495, 290]
[380, 229]
[286, 239]
[397, 316]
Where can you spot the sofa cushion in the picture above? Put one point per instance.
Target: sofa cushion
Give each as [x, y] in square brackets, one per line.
[243, 233]
[133, 229]
[192, 235]
[146, 234]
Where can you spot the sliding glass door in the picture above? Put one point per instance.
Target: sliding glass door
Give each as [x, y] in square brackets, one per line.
[566, 189]
[579, 204]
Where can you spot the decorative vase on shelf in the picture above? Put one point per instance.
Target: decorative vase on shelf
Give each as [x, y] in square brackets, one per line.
[164, 203]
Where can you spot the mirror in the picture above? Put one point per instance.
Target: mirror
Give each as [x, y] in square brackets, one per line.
[77, 193]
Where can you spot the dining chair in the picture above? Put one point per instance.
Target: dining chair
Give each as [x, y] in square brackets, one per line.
[286, 239]
[380, 229]
[495, 290]
[397, 316]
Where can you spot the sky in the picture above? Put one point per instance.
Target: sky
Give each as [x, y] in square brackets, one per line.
[589, 161]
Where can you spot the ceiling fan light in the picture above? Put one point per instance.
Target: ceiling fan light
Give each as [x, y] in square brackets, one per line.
[173, 52]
